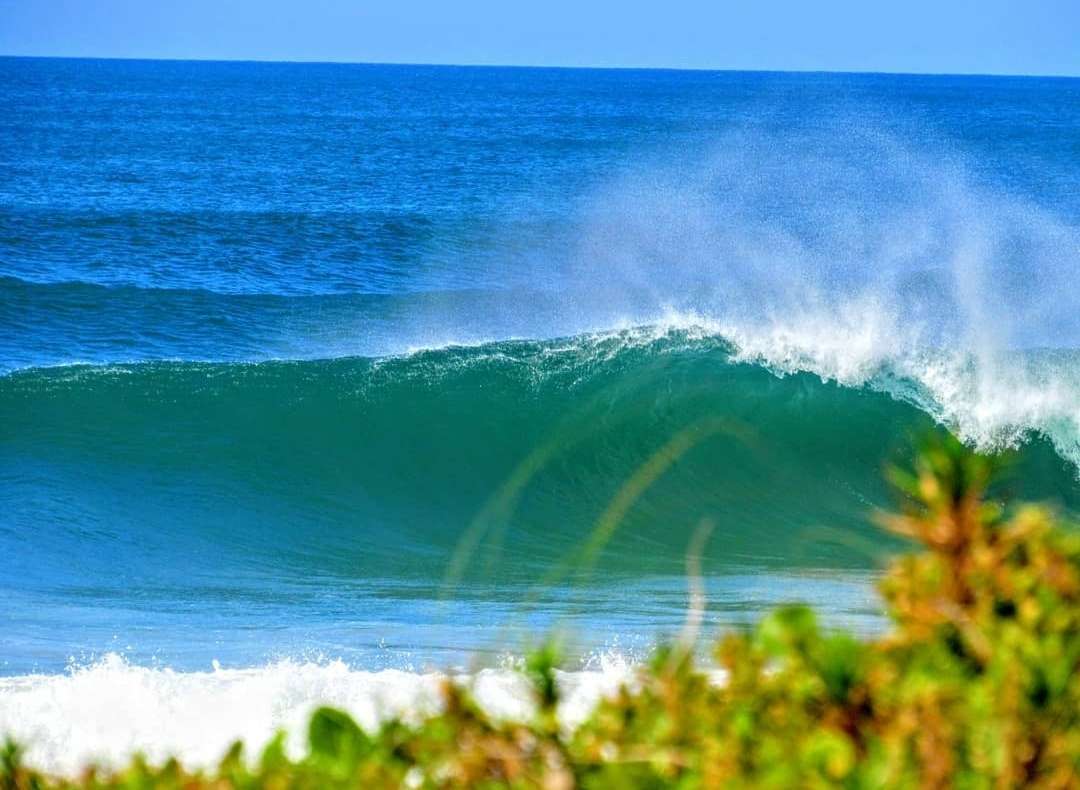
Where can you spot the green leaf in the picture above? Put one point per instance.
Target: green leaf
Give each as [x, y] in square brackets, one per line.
[333, 734]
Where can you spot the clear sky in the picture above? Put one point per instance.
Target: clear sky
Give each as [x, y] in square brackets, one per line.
[943, 36]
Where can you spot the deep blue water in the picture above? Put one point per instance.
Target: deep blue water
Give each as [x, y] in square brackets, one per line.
[286, 347]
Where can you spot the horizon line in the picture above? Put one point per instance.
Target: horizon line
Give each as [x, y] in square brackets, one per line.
[559, 67]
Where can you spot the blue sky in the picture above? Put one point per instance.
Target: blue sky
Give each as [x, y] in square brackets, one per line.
[942, 36]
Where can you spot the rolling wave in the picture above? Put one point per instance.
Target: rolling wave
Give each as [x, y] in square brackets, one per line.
[345, 465]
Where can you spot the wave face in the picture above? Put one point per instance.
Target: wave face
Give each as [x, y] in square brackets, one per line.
[389, 460]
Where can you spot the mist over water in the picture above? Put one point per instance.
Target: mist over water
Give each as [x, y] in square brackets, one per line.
[316, 371]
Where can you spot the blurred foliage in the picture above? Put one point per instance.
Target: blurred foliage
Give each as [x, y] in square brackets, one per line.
[976, 685]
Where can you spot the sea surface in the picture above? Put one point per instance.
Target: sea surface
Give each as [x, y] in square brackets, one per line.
[317, 378]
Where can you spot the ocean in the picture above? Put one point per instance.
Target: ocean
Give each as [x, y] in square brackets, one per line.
[316, 379]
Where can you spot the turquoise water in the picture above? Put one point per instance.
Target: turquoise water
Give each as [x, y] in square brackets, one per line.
[311, 362]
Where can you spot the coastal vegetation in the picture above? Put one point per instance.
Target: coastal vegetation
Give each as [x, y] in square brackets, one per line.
[976, 683]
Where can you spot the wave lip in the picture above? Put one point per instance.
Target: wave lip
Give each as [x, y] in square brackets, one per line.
[994, 399]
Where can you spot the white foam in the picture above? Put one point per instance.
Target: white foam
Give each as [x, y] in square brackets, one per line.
[105, 712]
[992, 400]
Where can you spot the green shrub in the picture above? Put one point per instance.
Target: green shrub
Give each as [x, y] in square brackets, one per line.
[976, 685]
